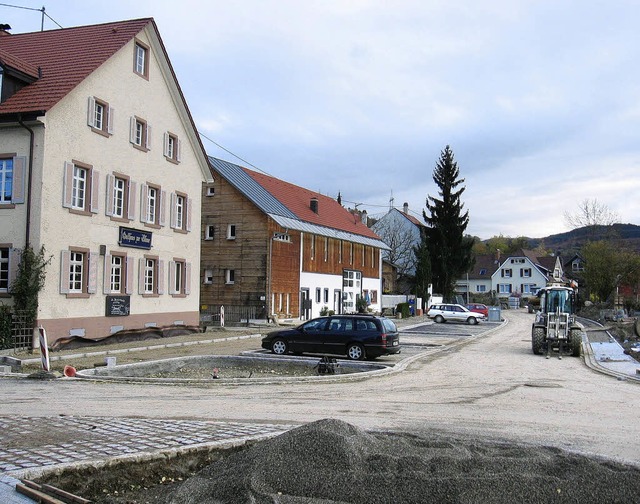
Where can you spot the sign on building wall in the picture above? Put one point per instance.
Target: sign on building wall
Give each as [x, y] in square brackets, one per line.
[134, 238]
[117, 306]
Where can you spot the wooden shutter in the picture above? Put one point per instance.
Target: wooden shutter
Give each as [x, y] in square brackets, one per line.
[108, 204]
[131, 203]
[94, 204]
[106, 288]
[165, 147]
[110, 117]
[15, 256]
[173, 214]
[67, 185]
[144, 196]
[132, 130]
[189, 211]
[91, 112]
[92, 284]
[172, 277]
[160, 279]
[65, 257]
[19, 171]
[128, 288]
[163, 197]
[147, 138]
[178, 145]
[141, 263]
[187, 278]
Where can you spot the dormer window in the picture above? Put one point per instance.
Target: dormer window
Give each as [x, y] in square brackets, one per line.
[141, 59]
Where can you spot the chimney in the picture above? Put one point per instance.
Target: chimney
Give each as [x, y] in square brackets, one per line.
[4, 29]
[363, 216]
[405, 208]
[314, 205]
[497, 256]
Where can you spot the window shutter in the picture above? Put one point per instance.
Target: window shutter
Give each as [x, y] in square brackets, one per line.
[19, 170]
[173, 217]
[163, 197]
[160, 276]
[108, 210]
[68, 184]
[132, 130]
[147, 139]
[187, 278]
[92, 285]
[106, 288]
[172, 278]
[141, 262]
[65, 257]
[94, 205]
[144, 196]
[165, 148]
[91, 112]
[110, 120]
[15, 256]
[128, 288]
[179, 153]
[131, 203]
[189, 210]
[502, 273]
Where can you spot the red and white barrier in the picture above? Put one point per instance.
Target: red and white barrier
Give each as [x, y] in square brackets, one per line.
[44, 349]
[222, 316]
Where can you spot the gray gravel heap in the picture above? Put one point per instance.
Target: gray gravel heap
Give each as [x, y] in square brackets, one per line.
[330, 461]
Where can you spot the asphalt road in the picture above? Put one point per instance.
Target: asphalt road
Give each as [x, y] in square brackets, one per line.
[489, 386]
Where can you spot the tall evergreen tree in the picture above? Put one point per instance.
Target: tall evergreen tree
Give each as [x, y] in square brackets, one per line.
[449, 249]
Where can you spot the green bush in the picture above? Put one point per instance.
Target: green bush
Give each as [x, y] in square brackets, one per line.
[403, 309]
[5, 327]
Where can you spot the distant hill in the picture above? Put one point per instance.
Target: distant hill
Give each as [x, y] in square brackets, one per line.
[566, 244]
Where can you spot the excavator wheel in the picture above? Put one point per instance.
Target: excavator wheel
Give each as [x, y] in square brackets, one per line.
[575, 342]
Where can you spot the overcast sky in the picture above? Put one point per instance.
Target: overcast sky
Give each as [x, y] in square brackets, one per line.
[539, 100]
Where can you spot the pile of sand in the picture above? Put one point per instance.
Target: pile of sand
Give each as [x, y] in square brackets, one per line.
[330, 461]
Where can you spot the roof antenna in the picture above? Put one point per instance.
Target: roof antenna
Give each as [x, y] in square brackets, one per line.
[391, 200]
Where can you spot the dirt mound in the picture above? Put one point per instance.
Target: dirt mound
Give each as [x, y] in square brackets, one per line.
[330, 461]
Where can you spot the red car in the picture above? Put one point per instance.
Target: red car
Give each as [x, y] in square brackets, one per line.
[479, 308]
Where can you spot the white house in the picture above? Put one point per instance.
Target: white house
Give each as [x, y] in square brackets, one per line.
[100, 164]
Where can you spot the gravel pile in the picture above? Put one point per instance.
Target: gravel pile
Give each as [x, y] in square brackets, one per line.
[330, 461]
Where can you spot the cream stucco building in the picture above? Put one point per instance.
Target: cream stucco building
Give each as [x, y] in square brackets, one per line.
[100, 163]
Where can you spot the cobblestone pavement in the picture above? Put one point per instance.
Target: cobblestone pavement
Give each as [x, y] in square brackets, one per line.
[81, 439]
[91, 440]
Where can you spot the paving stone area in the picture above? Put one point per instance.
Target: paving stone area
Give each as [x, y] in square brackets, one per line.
[84, 439]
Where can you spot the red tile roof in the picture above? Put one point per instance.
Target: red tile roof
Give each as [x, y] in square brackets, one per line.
[297, 199]
[65, 56]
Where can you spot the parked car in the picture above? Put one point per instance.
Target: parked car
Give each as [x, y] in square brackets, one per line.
[453, 312]
[356, 336]
[479, 308]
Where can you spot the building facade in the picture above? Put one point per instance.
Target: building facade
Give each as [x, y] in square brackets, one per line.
[105, 168]
[286, 250]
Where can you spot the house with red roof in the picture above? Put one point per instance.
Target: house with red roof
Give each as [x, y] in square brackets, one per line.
[286, 250]
[101, 164]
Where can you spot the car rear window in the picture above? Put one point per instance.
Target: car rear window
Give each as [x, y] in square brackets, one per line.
[365, 325]
[389, 326]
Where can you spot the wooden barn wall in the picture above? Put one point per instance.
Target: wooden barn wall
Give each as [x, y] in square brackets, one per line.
[246, 255]
[324, 256]
[285, 272]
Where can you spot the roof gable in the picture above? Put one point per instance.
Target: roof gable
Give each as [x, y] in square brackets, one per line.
[66, 57]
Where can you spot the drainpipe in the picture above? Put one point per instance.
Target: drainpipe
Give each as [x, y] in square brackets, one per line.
[29, 180]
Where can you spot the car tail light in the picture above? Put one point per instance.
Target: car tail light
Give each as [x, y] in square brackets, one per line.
[384, 339]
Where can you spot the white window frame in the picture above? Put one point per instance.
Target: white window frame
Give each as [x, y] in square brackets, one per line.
[209, 232]
[141, 59]
[229, 276]
[208, 276]
[231, 231]
[100, 116]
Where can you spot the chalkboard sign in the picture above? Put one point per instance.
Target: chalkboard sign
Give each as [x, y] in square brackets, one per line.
[117, 306]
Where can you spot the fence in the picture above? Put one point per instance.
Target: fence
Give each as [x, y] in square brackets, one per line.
[233, 315]
[21, 330]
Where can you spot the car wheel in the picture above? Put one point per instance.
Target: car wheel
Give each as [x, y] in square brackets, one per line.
[439, 319]
[279, 347]
[472, 320]
[355, 351]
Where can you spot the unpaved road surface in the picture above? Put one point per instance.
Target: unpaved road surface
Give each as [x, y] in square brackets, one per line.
[491, 387]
